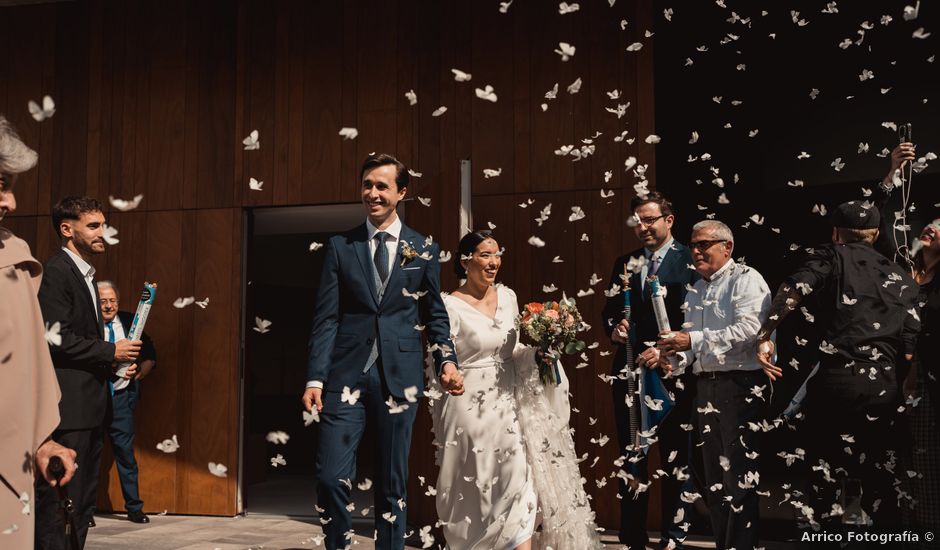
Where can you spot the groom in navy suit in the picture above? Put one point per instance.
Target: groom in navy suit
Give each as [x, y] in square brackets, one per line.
[380, 287]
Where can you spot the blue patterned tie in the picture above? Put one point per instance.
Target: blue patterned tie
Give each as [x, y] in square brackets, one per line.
[381, 255]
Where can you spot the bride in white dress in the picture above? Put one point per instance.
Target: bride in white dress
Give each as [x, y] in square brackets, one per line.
[507, 460]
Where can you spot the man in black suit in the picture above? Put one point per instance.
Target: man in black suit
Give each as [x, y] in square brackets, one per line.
[670, 262]
[83, 361]
[125, 392]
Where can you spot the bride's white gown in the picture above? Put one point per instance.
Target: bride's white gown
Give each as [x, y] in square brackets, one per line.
[505, 453]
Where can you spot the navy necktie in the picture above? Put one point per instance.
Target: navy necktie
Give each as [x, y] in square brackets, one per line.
[381, 255]
[654, 264]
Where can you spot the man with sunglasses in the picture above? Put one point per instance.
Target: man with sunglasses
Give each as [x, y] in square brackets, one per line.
[723, 316]
[669, 260]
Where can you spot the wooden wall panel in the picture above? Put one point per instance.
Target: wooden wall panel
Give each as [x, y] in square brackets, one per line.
[155, 98]
[213, 394]
[35, 36]
[185, 254]
[216, 141]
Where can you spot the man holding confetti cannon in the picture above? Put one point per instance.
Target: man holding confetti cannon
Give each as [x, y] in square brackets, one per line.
[661, 264]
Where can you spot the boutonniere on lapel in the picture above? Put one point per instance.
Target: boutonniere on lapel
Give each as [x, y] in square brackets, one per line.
[408, 253]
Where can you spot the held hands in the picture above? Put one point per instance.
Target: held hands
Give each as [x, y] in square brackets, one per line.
[313, 396]
[126, 351]
[452, 380]
[49, 449]
[765, 353]
[621, 332]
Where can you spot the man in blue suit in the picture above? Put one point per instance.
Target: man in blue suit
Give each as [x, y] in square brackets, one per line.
[670, 261]
[380, 287]
[125, 393]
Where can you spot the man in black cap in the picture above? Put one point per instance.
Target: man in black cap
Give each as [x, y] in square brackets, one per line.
[864, 314]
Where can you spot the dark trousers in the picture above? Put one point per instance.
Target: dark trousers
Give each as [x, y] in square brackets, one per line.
[121, 432]
[725, 433]
[845, 408]
[672, 438]
[83, 490]
[341, 429]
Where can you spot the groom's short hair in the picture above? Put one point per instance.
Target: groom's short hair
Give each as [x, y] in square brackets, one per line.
[381, 159]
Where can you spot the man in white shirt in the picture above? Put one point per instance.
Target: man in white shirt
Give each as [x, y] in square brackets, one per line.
[723, 316]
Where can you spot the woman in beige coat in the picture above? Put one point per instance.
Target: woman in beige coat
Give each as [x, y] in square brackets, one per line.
[29, 392]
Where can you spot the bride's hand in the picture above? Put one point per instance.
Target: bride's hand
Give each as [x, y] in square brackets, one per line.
[452, 380]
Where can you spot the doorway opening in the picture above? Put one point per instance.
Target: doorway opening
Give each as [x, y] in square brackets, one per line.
[282, 278]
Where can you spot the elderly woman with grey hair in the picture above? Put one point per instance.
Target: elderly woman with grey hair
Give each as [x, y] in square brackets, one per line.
[29, 392]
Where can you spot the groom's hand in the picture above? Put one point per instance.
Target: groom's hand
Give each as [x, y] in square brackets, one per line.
[452, 380]
[312, 397]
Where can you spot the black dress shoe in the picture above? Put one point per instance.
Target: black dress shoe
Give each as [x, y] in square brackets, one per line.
[138, 517]
[92, 523]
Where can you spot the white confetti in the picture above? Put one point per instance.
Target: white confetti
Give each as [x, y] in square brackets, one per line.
[278, 437]
[252, 142]
[109, 234]
[44, 112]
[262, 325]
[124, 205]
[169, 445]
[53, 337]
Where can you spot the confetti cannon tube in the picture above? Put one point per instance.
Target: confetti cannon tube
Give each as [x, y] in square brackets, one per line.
[633, 394]
[658, 294]
[137, 328]
[659, 304]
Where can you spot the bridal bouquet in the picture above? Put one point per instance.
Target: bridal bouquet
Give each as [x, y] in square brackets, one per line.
[554, 327]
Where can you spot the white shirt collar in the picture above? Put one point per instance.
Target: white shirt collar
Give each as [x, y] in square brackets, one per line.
[722, 271]
[661, 251]
[393, 230]
[86, 269]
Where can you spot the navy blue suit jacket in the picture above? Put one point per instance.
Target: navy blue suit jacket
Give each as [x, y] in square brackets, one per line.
[674, 273]
[349, 316]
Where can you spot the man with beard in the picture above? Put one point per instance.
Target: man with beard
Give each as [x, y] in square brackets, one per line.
[83, 360]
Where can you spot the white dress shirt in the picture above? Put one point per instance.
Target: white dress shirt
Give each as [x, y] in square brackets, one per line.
[723, 317]
[391, 242]
[88, 272]
[118, 327]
